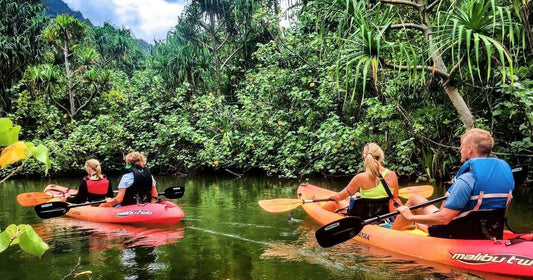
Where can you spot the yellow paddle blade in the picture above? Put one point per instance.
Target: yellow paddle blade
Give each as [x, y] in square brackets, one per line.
[423, 190]
[280, 204]
[33, 198]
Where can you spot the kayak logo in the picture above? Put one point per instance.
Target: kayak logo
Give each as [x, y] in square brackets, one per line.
[133, 212]
[332, 226]
[490, 259]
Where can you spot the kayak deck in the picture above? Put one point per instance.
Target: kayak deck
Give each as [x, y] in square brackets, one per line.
[482, 255]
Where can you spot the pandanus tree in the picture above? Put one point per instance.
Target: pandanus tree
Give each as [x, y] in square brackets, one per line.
[117, 48]
[522, 11]
[181, 58]
[222, 31]
[443, 40]
[81, 74]
[20, 24]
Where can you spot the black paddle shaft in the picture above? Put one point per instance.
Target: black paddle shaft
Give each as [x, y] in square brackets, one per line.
[58, 208]
[347, 228]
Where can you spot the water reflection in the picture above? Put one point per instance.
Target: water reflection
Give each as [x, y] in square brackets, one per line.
[105, 236]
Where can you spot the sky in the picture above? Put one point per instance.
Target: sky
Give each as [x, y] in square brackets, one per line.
[147, 19]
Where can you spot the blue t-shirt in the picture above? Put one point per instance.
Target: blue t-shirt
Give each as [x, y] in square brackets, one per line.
[127, 180]
[460, 192]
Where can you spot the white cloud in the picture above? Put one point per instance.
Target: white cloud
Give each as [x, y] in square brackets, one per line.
[148, 19]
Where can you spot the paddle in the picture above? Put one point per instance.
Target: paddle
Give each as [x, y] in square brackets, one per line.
[519, 175]
[173, 192]
[286, 204]
[60, 208]
[34, 198]
[423, 190]
[347, 228]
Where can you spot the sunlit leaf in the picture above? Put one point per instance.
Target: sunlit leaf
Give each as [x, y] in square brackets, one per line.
[8, 133]
[12, 230]
[41, 154]
[4, 240]
[31, 242]
[13, 153]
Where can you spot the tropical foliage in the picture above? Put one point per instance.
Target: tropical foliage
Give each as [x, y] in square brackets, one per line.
[16, 150]
[234, 89]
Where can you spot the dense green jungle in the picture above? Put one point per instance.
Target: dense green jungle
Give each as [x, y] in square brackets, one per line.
[235, 89]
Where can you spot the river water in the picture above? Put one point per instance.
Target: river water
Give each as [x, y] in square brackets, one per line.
[224, 235]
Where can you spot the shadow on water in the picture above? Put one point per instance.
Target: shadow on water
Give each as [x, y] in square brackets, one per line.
[224, 235]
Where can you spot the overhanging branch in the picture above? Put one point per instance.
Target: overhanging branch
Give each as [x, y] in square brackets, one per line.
[402, 2]
[420, 27]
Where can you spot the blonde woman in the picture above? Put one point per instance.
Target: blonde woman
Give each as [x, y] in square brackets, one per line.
[367, 186]
[95, 186]
[136, 186]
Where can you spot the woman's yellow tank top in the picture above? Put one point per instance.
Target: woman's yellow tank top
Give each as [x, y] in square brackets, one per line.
[377, 191]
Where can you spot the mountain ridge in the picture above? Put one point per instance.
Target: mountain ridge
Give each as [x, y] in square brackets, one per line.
[54, 8]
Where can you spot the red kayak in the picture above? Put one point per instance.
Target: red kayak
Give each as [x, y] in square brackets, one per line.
[163, 212]
[513, 255]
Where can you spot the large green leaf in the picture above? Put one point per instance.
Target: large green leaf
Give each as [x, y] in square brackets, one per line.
[5, 239]
[31, 242]
[41, 154]
[9, 134]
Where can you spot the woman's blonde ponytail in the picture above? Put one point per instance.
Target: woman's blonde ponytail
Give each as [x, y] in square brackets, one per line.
[373, 156]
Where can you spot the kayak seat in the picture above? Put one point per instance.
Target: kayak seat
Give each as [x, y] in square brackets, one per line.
[475, 224]
[368, 207]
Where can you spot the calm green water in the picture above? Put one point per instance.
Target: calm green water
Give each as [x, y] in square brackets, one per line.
[225, 235]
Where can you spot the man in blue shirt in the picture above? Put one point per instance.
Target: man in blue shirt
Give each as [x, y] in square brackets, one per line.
[481, 183]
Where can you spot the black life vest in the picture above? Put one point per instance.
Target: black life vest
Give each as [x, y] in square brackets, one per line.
[141, 189]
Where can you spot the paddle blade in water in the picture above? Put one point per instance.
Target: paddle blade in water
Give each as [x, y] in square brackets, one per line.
[280, 204]
[519, 175]
[339, 231]
[33, 198]
[174, 192]
[51, 209]
[424, 191]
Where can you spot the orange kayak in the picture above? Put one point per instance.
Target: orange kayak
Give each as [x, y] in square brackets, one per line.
[507, 256]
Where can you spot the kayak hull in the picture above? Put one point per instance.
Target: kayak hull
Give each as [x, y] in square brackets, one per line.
[163, 212]
[481, 255]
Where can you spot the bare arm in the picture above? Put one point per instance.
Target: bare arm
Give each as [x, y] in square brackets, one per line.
[115, 200]
[443, 217]
[351, 189]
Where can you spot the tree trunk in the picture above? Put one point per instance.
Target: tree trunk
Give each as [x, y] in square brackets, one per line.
[66, 53]
[215, 51]
[524, 13]
[455, 96]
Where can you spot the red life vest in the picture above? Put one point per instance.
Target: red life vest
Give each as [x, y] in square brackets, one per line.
[97, 187]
